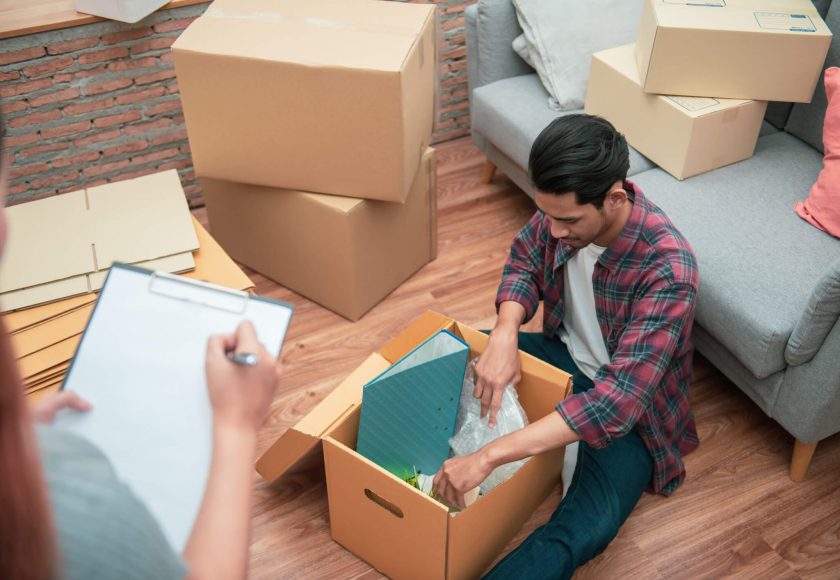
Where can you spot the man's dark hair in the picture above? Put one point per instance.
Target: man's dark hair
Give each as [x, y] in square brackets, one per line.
[579, 153]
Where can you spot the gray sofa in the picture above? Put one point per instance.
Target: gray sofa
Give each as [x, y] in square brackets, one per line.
[768, 313]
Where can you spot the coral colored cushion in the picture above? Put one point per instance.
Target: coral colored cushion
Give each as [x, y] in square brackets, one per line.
[822, 208]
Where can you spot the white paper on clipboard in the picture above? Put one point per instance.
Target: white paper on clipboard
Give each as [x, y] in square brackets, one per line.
[141, 365]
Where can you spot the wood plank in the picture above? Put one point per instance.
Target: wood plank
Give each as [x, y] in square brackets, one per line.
[21, 17]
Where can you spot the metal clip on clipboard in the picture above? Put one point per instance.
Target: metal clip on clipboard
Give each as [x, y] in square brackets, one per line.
[196, 291]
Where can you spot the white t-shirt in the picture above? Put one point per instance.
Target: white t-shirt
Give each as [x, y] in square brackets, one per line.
[580, 331]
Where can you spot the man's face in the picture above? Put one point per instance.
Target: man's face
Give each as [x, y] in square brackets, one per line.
[573, 224]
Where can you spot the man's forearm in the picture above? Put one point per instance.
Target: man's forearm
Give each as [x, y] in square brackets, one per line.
[511, 316]
[548, 433]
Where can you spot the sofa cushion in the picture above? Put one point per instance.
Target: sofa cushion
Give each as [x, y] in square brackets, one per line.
[496, 26]
[822, 208]
[510, 113]
[806, 119]
[561, 36]
[759, 262]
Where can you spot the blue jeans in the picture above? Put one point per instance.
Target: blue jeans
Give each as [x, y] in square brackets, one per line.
[605, 488]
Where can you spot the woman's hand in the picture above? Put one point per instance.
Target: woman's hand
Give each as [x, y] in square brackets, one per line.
[45, 410]
[239, 394]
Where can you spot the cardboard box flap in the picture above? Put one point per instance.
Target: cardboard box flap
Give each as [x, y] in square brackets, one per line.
[423, 327]
[349, 34]
[297, 443]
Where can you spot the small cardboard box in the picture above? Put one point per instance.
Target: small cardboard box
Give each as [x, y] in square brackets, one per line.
[739, 49]
[328, 96]
[394, 527]
[685, 136]
[344, 253]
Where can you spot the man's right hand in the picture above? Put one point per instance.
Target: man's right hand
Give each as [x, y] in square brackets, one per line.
[498, 365]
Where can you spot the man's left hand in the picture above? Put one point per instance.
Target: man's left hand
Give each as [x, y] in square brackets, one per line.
[44, 411]
[459, 475]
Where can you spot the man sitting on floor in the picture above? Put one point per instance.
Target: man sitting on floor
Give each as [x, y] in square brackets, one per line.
[619, 285]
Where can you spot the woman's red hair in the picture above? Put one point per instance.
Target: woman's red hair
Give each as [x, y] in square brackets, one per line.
[26, 536]
[27, 545]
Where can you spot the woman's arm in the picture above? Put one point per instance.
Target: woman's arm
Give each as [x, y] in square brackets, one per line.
[240, 397]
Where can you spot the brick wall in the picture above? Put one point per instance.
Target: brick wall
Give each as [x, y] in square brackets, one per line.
[99, 102]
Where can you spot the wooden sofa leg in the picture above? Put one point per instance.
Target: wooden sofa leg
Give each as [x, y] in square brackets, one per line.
[802, 454]
[489, 171]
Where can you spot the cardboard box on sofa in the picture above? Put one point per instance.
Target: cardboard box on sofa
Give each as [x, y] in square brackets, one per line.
[344, 253]
[685, 136]
[328, 96]
[771, 50]
[394, 527]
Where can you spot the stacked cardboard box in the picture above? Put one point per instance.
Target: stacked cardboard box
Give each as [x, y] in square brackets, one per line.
[691, 93]
[285, 99]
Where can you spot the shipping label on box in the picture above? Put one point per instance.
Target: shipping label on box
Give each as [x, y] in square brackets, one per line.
[741, 49]
[396, 528]
[685, 136]
[328, 96]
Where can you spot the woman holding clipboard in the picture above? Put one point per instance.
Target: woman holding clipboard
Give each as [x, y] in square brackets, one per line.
[65, 514]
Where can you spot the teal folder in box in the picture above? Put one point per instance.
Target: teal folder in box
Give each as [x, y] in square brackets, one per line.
[409, 411]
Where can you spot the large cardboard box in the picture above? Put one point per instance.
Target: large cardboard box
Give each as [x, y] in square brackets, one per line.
[394, 527]
[771, 50]
[683, 135]
[329, 96]
[344, 253]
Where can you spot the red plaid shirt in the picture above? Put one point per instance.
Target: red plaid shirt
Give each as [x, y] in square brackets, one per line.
[645, 286]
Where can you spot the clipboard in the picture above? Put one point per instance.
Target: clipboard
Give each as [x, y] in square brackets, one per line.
[141, 365]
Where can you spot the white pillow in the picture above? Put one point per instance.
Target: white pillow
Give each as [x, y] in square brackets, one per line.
[561, 36]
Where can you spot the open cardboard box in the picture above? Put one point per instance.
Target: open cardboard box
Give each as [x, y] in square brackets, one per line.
[386, 522]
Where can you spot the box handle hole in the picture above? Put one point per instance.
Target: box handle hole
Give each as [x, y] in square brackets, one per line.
[383, 503]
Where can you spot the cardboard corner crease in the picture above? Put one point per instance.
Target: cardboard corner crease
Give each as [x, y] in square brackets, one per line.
[394, 527]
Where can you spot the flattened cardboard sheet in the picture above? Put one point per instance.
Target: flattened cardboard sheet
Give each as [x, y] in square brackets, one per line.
[87, 283]
[64, 238]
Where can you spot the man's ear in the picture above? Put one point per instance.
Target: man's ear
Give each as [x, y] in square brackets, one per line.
[617, 195]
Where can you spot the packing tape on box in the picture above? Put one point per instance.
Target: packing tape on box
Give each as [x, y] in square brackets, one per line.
[272, 17]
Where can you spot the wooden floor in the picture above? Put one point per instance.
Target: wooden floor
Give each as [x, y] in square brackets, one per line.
[738, 514]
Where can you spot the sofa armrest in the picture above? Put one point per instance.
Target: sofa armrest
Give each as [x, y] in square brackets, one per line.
[820, 316]
[491, 26]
